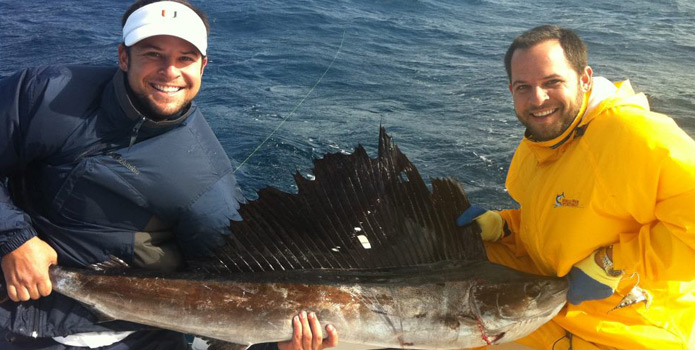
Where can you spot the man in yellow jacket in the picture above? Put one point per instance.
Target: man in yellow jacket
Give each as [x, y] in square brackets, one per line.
[607, 198]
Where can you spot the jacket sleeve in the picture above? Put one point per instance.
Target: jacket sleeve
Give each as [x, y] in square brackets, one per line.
[16, 97]
[660, 193]
[203, 225]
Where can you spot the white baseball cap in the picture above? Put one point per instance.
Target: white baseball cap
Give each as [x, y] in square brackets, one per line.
[166, 18]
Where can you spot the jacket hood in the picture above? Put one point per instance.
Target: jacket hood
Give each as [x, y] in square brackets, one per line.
[603, 95]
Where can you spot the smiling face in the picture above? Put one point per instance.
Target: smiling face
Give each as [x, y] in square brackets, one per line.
[164, 73]
[547, 92]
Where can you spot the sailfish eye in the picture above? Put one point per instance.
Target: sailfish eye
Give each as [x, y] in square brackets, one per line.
[533, 291]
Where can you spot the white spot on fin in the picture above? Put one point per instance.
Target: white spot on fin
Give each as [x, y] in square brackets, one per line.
[364, 241]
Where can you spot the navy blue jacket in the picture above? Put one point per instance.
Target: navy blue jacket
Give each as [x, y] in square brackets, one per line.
[83, 170]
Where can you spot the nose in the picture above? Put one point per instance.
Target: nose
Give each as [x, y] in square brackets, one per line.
[539, 96]
[169, 69]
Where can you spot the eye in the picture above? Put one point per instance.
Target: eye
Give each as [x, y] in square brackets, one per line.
[554, 82]
[521, 88]
[533, 291]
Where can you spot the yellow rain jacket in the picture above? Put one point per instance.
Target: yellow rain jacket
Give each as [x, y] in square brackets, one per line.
[621, 175]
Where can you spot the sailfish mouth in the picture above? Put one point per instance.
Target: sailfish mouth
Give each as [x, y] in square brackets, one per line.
[487, 335]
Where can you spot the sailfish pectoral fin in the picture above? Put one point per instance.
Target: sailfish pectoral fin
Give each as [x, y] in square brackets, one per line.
[101, 317]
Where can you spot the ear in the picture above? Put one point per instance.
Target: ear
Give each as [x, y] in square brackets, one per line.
[586, 79]
[510, 88]
[203, 64]
[123, 59]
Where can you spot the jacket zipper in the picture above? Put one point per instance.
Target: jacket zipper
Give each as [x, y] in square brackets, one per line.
[36, 320]
[136, 130]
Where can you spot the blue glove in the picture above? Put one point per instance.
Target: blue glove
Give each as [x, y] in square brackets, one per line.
[490, 222]
[470, 214]
[589, 281]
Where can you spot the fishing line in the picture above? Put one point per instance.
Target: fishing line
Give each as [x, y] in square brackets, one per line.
[569, 337]
[295, 107]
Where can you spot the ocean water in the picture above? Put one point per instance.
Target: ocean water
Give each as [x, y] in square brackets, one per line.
[430, 71]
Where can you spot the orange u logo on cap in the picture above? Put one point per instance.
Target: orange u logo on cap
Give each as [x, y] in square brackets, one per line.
[164, 14]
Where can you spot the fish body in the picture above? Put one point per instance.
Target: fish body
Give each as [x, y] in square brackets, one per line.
[436, 306]
[366, 244]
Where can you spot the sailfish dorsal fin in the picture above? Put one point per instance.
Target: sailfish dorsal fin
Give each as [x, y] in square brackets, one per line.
[358, 212]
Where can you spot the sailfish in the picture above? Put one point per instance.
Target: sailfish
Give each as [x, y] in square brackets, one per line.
[365, 245]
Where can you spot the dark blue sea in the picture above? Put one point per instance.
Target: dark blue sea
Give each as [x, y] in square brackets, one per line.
[430, 71]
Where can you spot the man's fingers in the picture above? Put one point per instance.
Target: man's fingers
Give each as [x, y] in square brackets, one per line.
[45, 288]
[295, 343]
[12, 293]
[332, 339]
[33, 291]
[23, 294]
[316, 331]
[24, 291]
[26, 270]
[30, 289]
[306, 331]
[308, 334]
[297, 335]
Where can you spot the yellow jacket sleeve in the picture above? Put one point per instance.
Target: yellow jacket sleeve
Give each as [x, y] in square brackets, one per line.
[664, 246]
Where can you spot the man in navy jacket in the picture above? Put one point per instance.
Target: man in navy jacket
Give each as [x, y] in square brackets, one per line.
[99, 161]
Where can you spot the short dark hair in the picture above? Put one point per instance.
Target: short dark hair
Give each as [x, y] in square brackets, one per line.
[571, 43]
[140, 3]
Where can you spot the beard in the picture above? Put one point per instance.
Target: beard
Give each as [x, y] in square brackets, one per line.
[149, 109]
[547, 133]
[152, 111]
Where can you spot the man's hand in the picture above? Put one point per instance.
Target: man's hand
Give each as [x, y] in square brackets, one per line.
[26, 270]
[593, 277]
[308, 334]
[492, 226]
